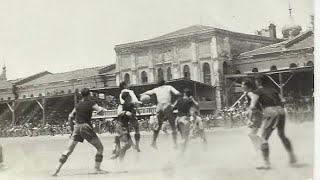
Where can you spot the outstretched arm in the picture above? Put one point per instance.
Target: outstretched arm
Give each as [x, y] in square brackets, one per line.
[150, 92]
[175, 92]
[98, 108]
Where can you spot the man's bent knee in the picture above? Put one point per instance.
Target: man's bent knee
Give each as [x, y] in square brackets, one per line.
[99, 158]
[63, 158]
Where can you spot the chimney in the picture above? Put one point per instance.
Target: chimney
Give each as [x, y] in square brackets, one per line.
[272, 31]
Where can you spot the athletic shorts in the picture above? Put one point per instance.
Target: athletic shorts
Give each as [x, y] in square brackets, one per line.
[164, 111]
[183, 123]
[273, 117]
[257, 118]
[83, 131]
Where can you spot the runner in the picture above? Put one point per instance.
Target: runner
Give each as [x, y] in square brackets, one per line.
[83, 130]
[254, 113]
[134, 121]
[183, 105]
[274, 117]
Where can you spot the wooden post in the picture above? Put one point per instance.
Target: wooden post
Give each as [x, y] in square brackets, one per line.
[43, 111]
[12, 109]
[195, 90]
[13, 112]
[226, 91]
[281, 85]
[75, 99]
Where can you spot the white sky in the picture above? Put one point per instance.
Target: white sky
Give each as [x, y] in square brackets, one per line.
[64, 35]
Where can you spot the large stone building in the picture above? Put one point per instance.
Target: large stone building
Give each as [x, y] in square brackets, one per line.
[199, 53]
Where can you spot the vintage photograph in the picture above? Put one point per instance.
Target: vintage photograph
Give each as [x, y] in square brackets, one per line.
[150, 89]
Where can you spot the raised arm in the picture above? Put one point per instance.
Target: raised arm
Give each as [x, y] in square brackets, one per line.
[150, 92]
[254, 100]
[72, 114]
[175, 92]
[98, 108]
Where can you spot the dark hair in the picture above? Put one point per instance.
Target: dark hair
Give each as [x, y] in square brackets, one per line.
[161, 82]
[248, 82]
[125, 95]
[122, 85]
[85, 92]
[261, 80]
[188, 92]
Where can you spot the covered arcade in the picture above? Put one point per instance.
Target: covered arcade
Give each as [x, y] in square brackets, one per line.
[290, 82]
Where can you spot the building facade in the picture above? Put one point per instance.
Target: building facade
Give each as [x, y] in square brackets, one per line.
[199, 53]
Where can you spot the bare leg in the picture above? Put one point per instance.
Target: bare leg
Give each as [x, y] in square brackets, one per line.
[156, 133]
[99, 156]
[256, 140]
[64, 156]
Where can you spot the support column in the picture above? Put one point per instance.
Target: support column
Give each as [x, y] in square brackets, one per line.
[12, 109]
[226, 92]
[281, 85]
[75, 98]
[41, 104]
[195, 90]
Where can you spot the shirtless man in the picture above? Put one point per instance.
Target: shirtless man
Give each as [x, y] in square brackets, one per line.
[164, 109]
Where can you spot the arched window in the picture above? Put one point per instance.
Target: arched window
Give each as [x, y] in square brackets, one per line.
[48, 94]
[24, 96]
[1, 99]
[127, 78]
[9, 98]
[169, 74]
[69, 91]
[160, 73]
[76, 91]
[31, 96]
[206, 73]
[40, 94]
[225, 68]
[237, 72]
[62, 92]
[255, 70]
[144, 77]
[273, 68]
[310, 63]
[293, 65]
[186, 72]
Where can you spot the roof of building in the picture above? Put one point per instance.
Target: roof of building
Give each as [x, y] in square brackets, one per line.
[66, 76]
[301, 41]
[5, 84]
[194, 30]
[185, 31]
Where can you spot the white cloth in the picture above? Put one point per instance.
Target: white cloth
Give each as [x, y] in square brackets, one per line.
[133, 96]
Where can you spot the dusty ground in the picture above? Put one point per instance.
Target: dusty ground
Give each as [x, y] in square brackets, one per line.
[230, 155]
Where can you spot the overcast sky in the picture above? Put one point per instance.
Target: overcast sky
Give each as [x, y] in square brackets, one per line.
[64, 35]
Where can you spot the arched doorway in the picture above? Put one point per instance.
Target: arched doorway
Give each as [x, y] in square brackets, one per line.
[127, 78]
[144, 77]
[186, 72]
[206, 73]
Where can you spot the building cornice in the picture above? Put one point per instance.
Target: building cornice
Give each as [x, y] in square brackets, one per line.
[188, 37]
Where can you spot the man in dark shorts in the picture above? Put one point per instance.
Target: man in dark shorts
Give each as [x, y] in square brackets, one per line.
[183, 105]
[274, 117]
[126, 112]
[133, 121]
[254, 113]
[164, 109]
[83, 130]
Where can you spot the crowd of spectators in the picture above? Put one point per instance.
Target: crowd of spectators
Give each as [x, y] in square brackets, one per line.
[299, 107]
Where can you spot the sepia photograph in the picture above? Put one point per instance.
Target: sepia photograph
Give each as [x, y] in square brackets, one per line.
[159, 90]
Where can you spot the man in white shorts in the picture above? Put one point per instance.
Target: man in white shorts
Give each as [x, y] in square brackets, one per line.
[164, 109]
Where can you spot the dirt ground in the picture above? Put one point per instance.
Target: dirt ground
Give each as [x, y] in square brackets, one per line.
[229, 156]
